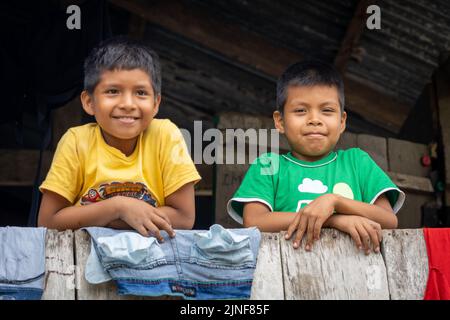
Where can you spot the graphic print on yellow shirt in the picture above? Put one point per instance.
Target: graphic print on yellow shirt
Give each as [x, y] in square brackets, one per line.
[135, 190]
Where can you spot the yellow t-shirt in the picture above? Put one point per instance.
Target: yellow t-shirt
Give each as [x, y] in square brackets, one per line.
[85, 169]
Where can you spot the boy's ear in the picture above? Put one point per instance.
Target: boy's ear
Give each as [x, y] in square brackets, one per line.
[278, 120]
[86, 101]
[157, 103]
[343, 121]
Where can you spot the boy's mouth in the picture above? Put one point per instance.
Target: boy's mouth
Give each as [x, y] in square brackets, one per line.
[126, 119]
[315, 134]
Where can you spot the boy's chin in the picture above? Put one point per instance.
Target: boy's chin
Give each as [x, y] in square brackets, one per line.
[313, 155]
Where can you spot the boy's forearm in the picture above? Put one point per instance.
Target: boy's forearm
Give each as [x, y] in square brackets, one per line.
[119, 224]
[385, 218]
[270, 221]
[178, 218]
[98, 214]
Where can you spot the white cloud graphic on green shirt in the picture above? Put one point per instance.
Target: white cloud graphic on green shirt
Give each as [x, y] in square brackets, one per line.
[312, 186]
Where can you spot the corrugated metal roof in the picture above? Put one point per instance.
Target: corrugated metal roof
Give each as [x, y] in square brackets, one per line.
[398, 59]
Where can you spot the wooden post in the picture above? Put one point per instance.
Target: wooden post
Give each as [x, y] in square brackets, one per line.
[354, 30]
[405, 256]
[60, 266]
[334, 269]
[268, 276]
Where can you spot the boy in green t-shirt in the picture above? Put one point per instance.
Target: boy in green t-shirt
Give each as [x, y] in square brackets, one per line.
[313, 186]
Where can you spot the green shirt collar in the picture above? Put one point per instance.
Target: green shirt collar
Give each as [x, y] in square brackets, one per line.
[324, 161]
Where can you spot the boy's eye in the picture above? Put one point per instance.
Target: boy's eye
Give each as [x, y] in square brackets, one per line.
[112, 91]
[300, 110]
[328, 110]
[142, 93]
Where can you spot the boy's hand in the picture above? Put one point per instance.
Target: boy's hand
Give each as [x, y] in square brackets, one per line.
[310, 220]
[142, 217]
[363, 231]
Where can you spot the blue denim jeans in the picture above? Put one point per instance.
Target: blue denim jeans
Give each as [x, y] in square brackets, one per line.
[195, 264]
[22, 263]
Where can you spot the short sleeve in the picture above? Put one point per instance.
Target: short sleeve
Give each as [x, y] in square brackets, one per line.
[375, 182]
[64, 176]
[257, 186]
[176, 163]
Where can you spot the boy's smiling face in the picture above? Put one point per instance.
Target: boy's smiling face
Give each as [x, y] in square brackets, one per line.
[123, 104]
[312, 121]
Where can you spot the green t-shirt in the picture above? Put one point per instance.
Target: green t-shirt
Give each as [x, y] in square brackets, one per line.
[286, 184]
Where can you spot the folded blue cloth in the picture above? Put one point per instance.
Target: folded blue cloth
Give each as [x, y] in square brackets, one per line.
[195, 264]
[22, 263]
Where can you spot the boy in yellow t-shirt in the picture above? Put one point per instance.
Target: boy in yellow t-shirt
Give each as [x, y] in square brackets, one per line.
[128, 170]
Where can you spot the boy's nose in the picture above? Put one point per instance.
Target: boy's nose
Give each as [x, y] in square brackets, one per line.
[127, 102]
[314, 121]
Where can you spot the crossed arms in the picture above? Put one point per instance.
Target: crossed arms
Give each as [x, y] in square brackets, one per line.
[119, 212]
[361, 220]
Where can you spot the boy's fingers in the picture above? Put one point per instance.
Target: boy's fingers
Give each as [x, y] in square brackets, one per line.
[355, 235]
[378, 228]
[162, 215]
[310, 233]
[300, 231]
[163, 225]
[374, 238]
[292, 226]
[142, 231]
[364, 237]
[317, 229]
[154, 231]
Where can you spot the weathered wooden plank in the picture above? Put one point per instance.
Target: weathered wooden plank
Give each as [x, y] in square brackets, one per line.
[346, 141]
[375, 147]
[268, 276]
[405, 157]
[245, 121]
[234, 120]
[228, 179]
[410, 215]
[206, 172]
[411, 183]
[60, 266]
[334, 269]
[405, 256]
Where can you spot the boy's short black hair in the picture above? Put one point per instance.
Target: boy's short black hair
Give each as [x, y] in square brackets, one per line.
[309, 73]
[121, 53]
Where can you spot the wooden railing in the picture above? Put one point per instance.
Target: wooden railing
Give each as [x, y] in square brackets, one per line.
[334, 269]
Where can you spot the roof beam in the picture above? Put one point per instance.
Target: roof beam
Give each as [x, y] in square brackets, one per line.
[354, 31]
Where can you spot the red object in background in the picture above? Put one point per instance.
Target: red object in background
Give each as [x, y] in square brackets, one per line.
[438, 250]
[426, 160]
